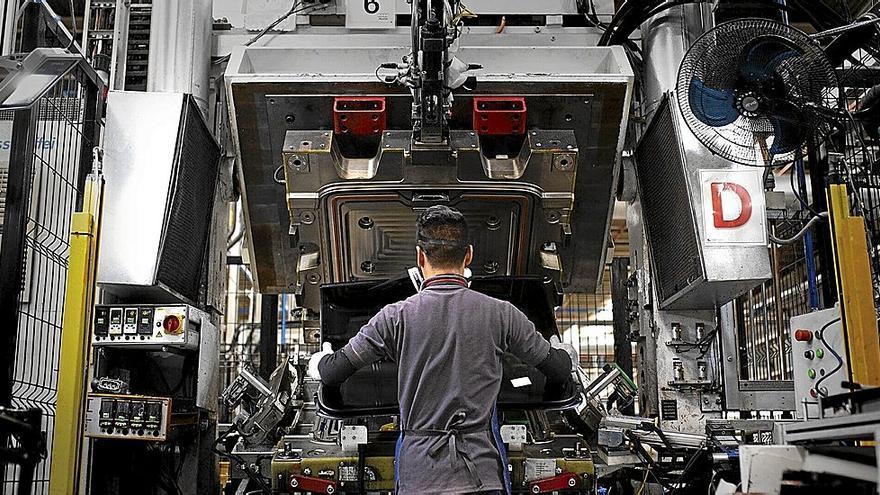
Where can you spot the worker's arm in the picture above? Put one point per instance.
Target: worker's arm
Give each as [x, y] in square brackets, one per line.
[373, 342]
[530, 346]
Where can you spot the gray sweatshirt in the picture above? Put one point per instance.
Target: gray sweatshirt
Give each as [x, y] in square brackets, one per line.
[448, 342]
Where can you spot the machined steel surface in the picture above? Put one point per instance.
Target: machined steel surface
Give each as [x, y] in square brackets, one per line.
[366, 230]
[278, 94]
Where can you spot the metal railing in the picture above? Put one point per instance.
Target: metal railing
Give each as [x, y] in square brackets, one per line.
[49, 147]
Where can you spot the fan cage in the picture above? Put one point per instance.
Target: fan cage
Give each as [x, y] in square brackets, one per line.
[809, 79]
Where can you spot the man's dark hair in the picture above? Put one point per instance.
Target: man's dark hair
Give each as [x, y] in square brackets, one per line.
[442, 234]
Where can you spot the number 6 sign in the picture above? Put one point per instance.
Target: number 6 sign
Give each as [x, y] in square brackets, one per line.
[370, 14]
[371, 6]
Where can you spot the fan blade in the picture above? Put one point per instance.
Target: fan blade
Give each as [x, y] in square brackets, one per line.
[762, 56]
[789, 128]
[713, 107]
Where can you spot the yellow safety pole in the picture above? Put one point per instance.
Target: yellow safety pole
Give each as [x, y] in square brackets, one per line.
[854, 288]
[79, 300]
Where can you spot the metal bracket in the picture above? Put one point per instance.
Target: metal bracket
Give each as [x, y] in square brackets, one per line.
[499, 115]
[352, 436]
[514, 436]
[359, 115]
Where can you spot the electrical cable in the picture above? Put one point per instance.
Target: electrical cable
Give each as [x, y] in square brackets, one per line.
[640, 451]
[225, 58]
[73, 22]
[616, 29]
[275, 175]
[297, 4]
[297, 8]
[800, 195]
[842, 29]
[644, 482]
[821, 335]
[687, 468]
[797, 237]
[703, 344]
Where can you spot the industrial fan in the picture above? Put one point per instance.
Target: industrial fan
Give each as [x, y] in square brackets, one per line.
[753, 91]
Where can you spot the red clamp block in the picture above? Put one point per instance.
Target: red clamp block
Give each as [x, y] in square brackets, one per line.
[499, 115]
[564, 481]
[315, 485]
[359, 115]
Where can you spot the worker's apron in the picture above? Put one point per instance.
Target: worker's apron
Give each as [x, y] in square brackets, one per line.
[452, 437]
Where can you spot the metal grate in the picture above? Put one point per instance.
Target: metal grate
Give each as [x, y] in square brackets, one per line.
[669, 224]
[195, 178]
[764, 312]
[585, 320]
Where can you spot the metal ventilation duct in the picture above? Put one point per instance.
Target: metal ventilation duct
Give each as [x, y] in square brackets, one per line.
[704, 217]
[161, 165]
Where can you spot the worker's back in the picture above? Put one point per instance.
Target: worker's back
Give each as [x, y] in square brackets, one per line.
[448, 342]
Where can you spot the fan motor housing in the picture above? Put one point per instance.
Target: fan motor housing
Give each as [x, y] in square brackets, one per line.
[704, 216]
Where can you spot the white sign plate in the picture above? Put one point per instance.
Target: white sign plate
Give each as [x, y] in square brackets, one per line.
[370, 14]
[733, 207]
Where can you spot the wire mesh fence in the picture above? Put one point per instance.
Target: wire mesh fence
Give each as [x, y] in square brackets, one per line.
[585, 321]
[56, 133]
[45, 155]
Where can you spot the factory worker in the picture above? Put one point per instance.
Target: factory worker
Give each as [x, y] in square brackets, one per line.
[448, 342]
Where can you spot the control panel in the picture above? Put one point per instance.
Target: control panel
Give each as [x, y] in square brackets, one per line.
[818, 352]
[147, 326]
[131, 417]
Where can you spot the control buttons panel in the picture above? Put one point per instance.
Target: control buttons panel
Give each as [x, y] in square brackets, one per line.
[147, 326]
[132, 417]
[816, 342]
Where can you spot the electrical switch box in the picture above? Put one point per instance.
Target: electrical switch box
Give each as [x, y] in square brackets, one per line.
[131, 417]
[818, 354]
[148, 326]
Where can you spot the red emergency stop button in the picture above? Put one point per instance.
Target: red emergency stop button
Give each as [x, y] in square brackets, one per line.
[171, 324]
[802, 335]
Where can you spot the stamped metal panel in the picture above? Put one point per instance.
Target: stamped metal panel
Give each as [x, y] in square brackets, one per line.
[374, 236]
[275, 90]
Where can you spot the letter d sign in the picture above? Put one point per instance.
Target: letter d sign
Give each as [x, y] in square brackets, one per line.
[731, 205]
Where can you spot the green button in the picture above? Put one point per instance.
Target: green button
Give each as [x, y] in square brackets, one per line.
[819, 353]
[811, 373]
